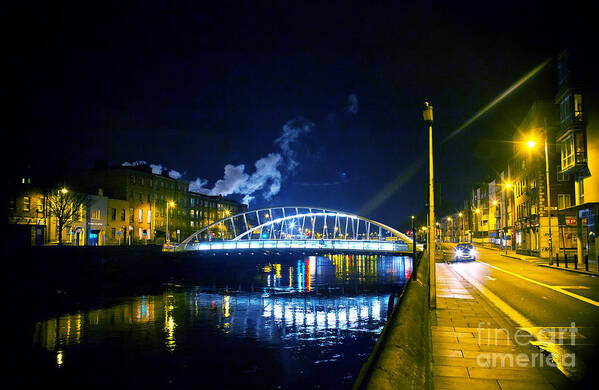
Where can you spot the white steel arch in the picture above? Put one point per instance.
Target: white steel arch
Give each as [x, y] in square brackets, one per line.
[302, 225]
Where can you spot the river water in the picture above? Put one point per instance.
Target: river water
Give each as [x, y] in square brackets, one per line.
[267, 322]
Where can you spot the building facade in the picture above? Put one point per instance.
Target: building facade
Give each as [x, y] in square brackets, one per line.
[578, 142]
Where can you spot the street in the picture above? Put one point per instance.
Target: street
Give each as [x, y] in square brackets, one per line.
[538, 298]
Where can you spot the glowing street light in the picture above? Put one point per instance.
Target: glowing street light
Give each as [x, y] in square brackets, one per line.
[531, 144]
[64, 190]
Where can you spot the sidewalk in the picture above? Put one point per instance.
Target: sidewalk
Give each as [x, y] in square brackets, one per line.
[593, 266]
[471, 343]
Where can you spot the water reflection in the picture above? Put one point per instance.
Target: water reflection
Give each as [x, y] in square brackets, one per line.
[312, 311]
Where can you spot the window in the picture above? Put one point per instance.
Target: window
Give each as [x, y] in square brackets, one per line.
[191, 223]
[149, 216]
[140, 218]
[149, 198]
[141, 197]
[26, 203]
[577, 107]
[141, 181]
[567, 152]
[131, 196]
[562, 176]
[580, 190]
[565, 113]
[113, 233]
[132, 179]
[131, 215]
[113, 215]
[95, 213]
[563, 201]
[40, 206]
[11, 203]
[122, 214]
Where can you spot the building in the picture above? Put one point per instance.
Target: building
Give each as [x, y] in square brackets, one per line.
[158, 205]
[26, 215]
[578, 141]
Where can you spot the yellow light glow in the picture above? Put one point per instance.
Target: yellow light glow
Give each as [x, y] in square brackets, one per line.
[64, 190]
[508, 185]
[494, 203]
[172, 204]
[477, 211]
[531, 144]
[460, 214]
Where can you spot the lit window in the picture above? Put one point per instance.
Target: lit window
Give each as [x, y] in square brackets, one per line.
[567, 152]
[140, 216]
[578, 107]
[26, 203]
[563, 201]
[580, 190]
[95, 214]
[149, 216]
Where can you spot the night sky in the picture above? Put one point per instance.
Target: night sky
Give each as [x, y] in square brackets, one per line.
[197, 86]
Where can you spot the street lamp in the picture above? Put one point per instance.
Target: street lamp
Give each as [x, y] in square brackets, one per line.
[477, 211]
[413, 248]
[427, 115]
[168, 204]
[460, 214]
[531, 144]
[451, 231]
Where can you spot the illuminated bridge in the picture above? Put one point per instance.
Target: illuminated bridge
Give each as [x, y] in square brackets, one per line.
[298, 228]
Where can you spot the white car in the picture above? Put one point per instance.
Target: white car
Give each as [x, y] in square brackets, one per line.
[465, 251]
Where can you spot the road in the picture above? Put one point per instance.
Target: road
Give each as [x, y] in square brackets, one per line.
[539, 299]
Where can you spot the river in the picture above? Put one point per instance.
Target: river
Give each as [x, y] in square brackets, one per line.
[236, 321]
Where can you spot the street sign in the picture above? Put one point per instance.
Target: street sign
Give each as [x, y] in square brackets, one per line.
[572, 221]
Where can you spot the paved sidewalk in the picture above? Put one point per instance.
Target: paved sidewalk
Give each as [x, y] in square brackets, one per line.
[471, 343]
[593, 266]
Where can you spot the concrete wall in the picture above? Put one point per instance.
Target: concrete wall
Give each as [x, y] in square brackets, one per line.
[401, 357]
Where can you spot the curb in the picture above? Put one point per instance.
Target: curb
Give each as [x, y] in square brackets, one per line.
[578, 271]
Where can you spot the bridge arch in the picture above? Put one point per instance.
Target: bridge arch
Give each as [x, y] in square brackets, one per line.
[293, 223]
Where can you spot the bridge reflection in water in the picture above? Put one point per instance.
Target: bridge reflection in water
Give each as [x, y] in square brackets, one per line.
[312, 308]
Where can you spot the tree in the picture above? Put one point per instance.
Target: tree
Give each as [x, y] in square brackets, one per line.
[66, 206]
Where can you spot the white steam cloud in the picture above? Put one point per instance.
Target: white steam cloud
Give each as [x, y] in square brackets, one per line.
[353, 105]
[269, 170]
[157, 169]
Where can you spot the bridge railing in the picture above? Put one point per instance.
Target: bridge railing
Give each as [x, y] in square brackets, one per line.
[361, 245]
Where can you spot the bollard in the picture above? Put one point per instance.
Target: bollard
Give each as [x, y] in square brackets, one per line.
[586, 263]
[575, 261]
[566, 259]
[557, 259]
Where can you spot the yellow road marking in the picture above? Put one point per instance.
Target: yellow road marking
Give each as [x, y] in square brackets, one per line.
[559, 289]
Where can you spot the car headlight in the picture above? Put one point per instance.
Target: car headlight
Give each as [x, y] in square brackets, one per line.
[459, 253]
[473, 252]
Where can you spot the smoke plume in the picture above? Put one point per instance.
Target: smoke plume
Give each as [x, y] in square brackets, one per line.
[269, 172]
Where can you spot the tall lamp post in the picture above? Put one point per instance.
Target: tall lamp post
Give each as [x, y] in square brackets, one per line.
[450, 230]
[477, 211]
[413, 249]
[460, 214]
[508, 186]
[168, 204]
[427, 115]
[531, 144]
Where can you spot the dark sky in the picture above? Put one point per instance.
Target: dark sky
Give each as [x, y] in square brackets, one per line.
[198, 85]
